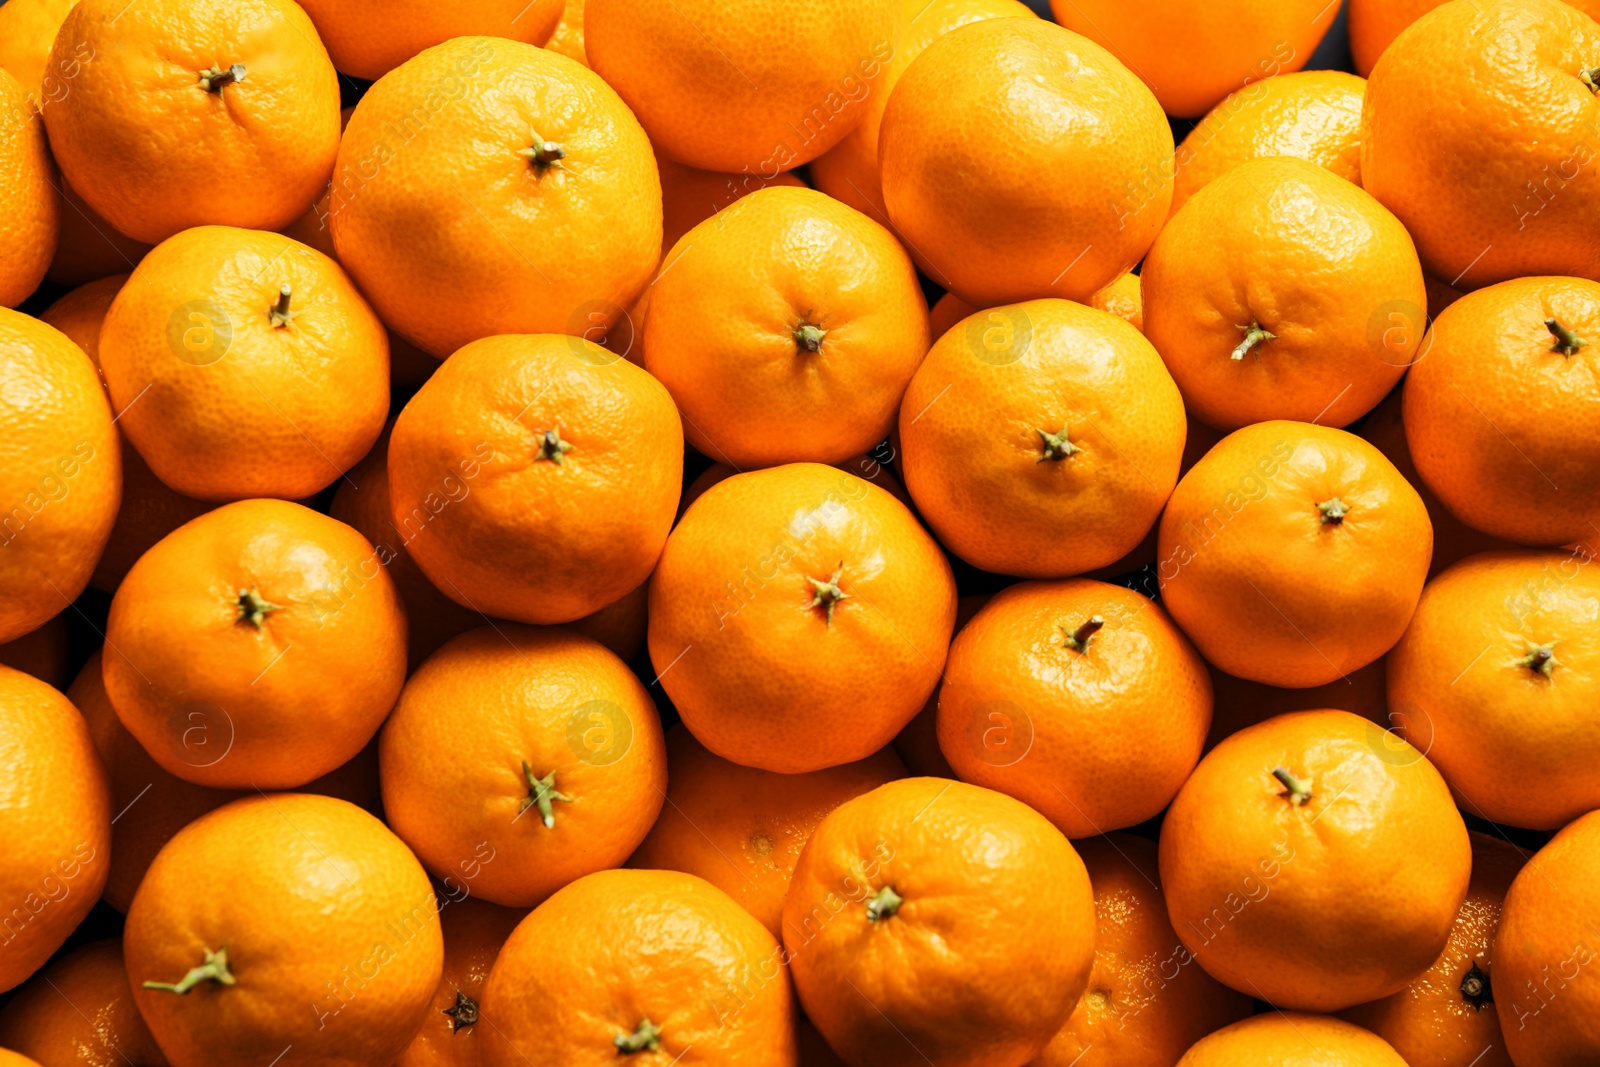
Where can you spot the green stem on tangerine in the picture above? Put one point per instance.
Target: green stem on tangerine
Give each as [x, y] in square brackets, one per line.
[1567, 342]
[809, 337]
[1299, 790]
[1253, 335]
[280, 315]
[1591, 78]
[253, 607]
[646, 1036]
[1333, 511]
[552, 447]
[541, 794]
[827, 593]
[1540, 658]
[1056, 445]
[214, 969]
[212, 79]
[1078, 640]
[543, 153]
[883, 904]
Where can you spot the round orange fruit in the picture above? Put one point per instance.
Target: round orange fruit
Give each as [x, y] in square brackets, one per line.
[27, 29]
[535, 478]
[1002, 205]
[1477, 133]
[89, 247]
[62, 479]
[30, 219]
[1374, 24]
[918, 741]
[531, 757]
[1193, 55]
[1317, 836]
[848, 171]
[742, 829]
[1270, 296]
[1503, 412]
[1080, 699]
[526, 202]
[689, 195]
[1545, 996]
[805, 360]
[284, 920]
[756, 88]
[79, 1012]
[1145, 1004]
[370, 39]
[932, 920]
[1293, 554]
[1237, 703]
[799, 617]
[568, 35]
[1291, 1039]
[1041, 416]
[474, 932]
[1446, 1017]
[55, 816]
[243, 363]
[1493, 679]
[260, 645]
[1313, 115]
[625, 966]
[194, 112]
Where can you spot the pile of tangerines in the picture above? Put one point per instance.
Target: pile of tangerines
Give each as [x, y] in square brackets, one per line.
[545, 588]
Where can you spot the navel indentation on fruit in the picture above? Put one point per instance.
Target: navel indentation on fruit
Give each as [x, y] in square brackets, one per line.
[1591, 78]
[542, 794]
[827, 594]
[1567, 342]
[1475, 988]
[1077, 637]
[760, 843]
[1098, 1000]
[552, 448]
[1254, 334]
[1055, 445]
[214, 79]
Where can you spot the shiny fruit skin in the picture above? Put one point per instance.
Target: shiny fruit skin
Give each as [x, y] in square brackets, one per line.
[1095, 733]
[369, 39]
[848, 171]
[1446, 1018]
[1546, 1000]
[154, 151]
[1503, 417]
[1495, 679]
[1283, 246]
[1192, 55]
[1357, 885]
[799, 618]
[1476, 132]
[487, 720]
[55, 816]
[976, 429]
[976, 953]
[1313, 115]
[1374, 24]
[79, 1012]
[759, 87]
[224, 397]
[615, 948]
[62, 479]
[1275, 588]
[1142, 1008]
[27, 29]
[474, 932]
[803, 361]
[514, 523]
[329, 923]
[742, 829]
[30, 219]
[1022, 161]
[199, 626]
[1291, 1039]
[456, 230]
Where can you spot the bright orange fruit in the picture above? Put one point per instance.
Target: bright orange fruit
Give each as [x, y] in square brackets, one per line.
[368, 38]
